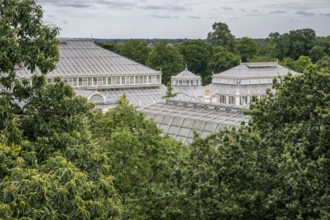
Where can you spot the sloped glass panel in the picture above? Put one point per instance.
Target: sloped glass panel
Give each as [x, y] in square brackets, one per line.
[187, 123]
[183, 132]
[177, 121]
[173, 130]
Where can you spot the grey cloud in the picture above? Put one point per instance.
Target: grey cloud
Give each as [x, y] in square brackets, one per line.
[64, 3]
[193, 17]
[162, 16]
[163, 7]
[117, 4]
[305, 13]
[175, 5]
[255, 12]
[153, 7]
[325, 14]
[65, 22]
[178, 8]
[299, 5]
[278, 12]
[227, 8]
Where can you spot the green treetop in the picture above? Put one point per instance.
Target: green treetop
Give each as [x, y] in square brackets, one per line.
[166, 58]
[136, 50]
[169, 91]
[247, 48]
[196, 55]
[49, 167]
[222, 36]
[222, 60]
[25, 41]
[139, 158]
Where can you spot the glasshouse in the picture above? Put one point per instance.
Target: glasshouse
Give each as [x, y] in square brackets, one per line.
[103, 76]
[86, 66]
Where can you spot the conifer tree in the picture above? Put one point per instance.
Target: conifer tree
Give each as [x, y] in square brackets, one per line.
[169, 91]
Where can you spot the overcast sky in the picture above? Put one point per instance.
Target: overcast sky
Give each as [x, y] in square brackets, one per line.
[191, 19]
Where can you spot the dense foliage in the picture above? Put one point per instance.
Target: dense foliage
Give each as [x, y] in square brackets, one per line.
[275, 167]
[197, 54]
[138, 157]
[132, 49]
[247, 48]
[166, 58]
[222, 36]
[49, 168]
[222, 60]
[293, 44]
[59, 159]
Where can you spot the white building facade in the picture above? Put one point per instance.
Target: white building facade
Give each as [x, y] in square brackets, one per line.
[239, 84]
[88, 67]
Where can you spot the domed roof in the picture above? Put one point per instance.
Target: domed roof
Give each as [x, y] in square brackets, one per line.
[186, 75]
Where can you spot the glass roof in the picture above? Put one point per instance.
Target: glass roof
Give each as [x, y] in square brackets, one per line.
[179, 119]
[260, 70]
[186, 74]
[82, 57]
[139, 97]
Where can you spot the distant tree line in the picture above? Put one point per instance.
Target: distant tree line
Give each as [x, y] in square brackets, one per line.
[151, 42]
[221, 51]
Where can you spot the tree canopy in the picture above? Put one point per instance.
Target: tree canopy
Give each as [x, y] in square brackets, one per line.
[196, 54]
[293, 44]
[222, 36]
[135, 50]
[138, 157]
[166, 58]
[25, 41]
[49, 168]
[247, 48]
[320, 49]
[222, 60]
